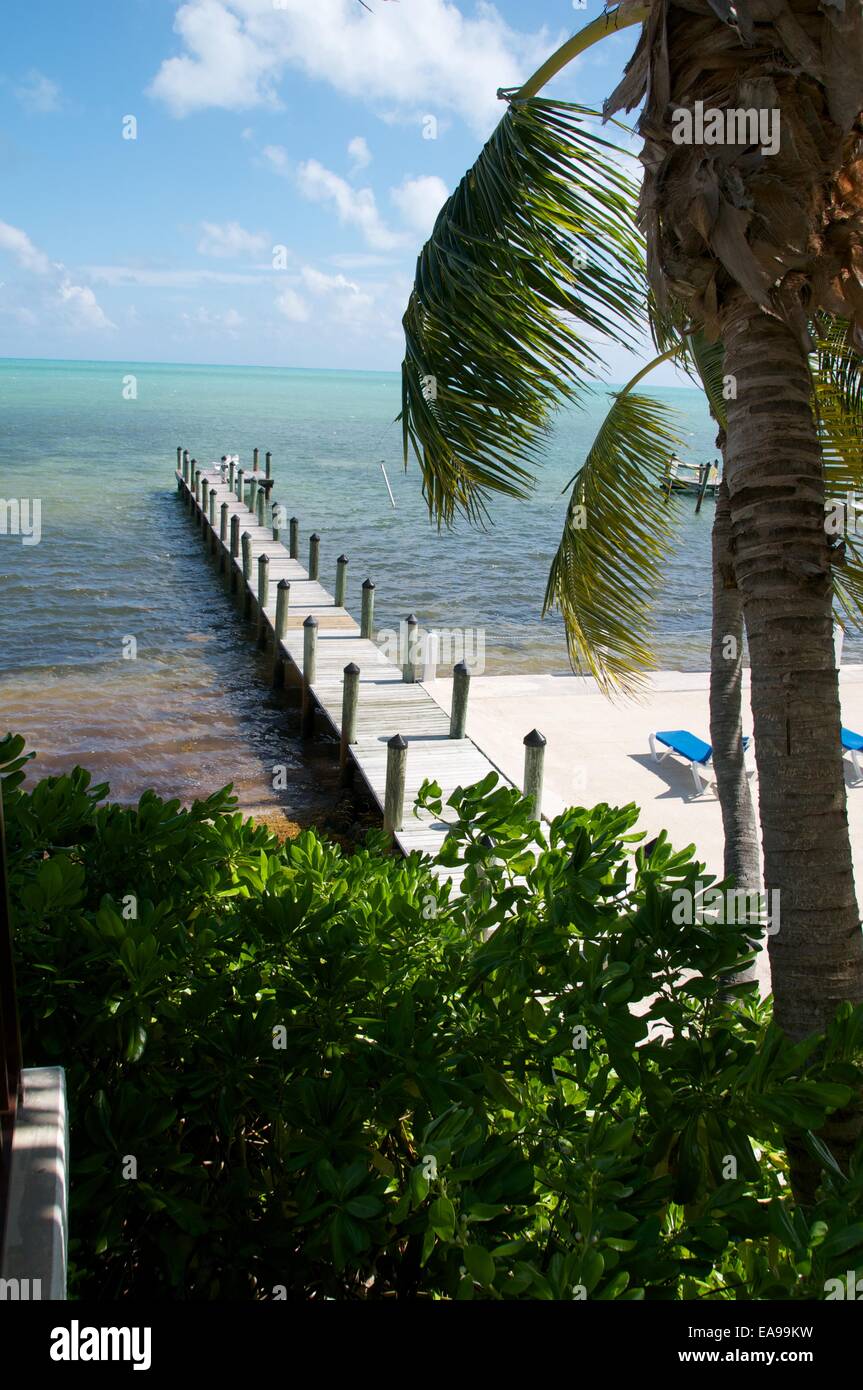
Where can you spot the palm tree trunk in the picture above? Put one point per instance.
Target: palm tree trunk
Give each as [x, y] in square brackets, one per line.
[726, 724]
[776, 493]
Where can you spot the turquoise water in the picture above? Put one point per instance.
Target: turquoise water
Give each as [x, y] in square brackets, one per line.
[118, 559]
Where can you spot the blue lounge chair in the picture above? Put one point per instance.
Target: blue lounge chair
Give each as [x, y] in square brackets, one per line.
[853, 743]
[694, 751]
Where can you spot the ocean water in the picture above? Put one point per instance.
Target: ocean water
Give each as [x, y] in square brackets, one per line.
[118, 559]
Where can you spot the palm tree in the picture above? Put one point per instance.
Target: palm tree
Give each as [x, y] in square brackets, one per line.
[762, 255]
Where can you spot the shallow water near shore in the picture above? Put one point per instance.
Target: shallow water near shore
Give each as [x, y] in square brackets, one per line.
[119, 559]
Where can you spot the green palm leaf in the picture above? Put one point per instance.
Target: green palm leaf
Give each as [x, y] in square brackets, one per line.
[534, 257]
[618, 528]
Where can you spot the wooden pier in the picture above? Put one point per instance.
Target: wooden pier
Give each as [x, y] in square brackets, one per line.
[390, 728]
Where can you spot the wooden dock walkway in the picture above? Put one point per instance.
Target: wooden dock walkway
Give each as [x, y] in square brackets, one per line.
[388, 705]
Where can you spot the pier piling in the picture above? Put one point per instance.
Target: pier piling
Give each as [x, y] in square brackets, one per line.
[310, 650]
[460, 692]
[534, 763]
[394, 795]
[350, 704]
[314, 555]
[367, 620]
[283, 600]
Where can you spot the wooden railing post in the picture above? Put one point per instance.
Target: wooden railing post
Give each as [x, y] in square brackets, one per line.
[367, 621]
[409, 656]
[283, 600]
[255, 459]
[534, 762]
[341, 581]
[269, 464]
[235, 551]
[223, 536]
[394, 795]
[350, 703]
[247, 573]
[294, 549]
[263, 597]
[241, 484]
[460, 692]
[310, 649]
[314, 555]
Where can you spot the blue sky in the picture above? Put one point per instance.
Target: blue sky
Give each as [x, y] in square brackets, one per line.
[288, 160]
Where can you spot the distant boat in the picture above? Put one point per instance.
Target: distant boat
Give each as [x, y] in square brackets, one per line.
[689, 477]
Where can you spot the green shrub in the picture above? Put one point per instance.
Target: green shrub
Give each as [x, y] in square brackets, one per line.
[298, 1073]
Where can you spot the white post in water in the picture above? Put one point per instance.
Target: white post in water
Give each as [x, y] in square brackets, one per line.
[534, 761]
[394, 795]
[294, 549]
[263, 597]
[350, 702]
[367, 621]
[460, 692]
[409, 656]
[283, 600]
[310, 649]
[341, 581]
[314, 554]
[247, 573]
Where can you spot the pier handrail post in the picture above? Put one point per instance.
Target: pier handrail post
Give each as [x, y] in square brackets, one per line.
[179, 457]
[268, 464]
[232, 475]
[294, 548]
[534, 762]
[223, 466]
[276, 515]
[394, 795]
[241, 484]
[409, 659]
[187, 473]
[263, 597]
[253, 495]
[195, 509]
[255, 459]
[350, 703]
[367, 621]
[283, 601]
[262, 502]
[460, 692]
[223, 536]
[235, 551]
[212, 519]
[247, 573]
[205, 488]
[310, 650]
[314, 555]
[341, 581]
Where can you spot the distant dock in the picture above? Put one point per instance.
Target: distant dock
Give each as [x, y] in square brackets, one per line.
[391, 729]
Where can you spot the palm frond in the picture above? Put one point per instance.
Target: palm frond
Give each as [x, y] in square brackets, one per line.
[618, 528]
[533, 258]
[837, 397]
[708, 370]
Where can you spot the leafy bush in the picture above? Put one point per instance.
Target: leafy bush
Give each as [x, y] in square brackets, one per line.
[298, 1073]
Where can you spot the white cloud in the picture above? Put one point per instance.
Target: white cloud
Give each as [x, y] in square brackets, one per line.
[292, 306]
[154, 278]
[359, 153]
[83, 310]
[229, 241]
[38, 94]
[75, 306]
[277, 157]
[427, 57]
[348, 303]
[356, 207]
[19, 245]
[419, 201]
[228, 322]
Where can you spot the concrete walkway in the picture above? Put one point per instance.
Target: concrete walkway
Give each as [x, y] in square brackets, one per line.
[598, 750]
